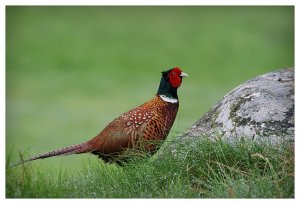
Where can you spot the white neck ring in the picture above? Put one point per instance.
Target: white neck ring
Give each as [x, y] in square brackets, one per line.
[168, 99]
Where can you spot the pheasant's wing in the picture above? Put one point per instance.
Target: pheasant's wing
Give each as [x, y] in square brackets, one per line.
[137, 121]
[124, 131]
[147, 128]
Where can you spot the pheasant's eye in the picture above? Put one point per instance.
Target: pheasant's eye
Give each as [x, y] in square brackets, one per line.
[173, 73]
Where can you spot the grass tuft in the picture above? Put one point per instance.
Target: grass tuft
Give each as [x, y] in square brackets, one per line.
[199, 169]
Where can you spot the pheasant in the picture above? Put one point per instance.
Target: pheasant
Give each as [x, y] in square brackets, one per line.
[138, 129]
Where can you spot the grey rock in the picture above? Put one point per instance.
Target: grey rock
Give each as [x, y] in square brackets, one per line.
[261, 109]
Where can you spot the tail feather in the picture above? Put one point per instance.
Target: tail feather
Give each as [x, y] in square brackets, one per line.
[73, 149]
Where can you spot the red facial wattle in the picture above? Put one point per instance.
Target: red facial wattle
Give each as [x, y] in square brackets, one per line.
[175, 81]
[174, 77]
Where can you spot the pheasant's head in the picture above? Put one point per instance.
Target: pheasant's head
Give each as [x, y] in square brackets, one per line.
[170, 81]
[174, 76]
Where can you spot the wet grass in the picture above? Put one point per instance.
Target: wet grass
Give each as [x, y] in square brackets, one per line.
[199, 169]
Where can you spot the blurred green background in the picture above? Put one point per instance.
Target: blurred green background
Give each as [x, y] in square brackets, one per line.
[71, 70]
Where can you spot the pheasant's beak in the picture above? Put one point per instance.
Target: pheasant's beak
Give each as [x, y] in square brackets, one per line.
[184, 74]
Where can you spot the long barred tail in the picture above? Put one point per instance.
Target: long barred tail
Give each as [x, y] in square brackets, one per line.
[73, 149]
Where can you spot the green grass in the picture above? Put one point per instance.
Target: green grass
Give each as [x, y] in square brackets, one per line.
[201, 169]
[71, 70]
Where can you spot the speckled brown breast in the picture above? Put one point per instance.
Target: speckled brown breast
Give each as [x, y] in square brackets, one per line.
[139, 128]
[159, 126]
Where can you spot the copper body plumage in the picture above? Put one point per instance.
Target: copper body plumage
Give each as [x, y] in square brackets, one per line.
[141, 128]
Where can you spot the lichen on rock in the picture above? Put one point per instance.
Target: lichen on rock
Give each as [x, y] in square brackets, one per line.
[261, 109]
